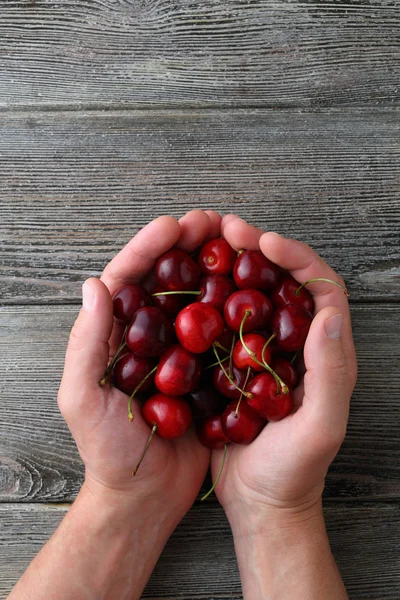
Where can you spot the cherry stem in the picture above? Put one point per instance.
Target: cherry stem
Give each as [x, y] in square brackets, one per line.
[267, 343]
[217, 363]
[295, 355]
[241, 395]
[231, 357]
[297, 292]
[247, 394]
[135, 470]
[177, 292]
[221, 347]
[137, 388]
[214, 485]
[114, 359]
[281, 385]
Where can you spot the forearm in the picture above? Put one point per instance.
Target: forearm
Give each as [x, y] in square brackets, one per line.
[287, 558]
[102, 550]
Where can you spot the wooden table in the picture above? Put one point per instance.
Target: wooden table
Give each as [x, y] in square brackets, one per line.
[114, 112]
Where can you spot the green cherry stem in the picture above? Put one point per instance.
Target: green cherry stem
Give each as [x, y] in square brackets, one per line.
[267, 343]
[177, 292]
[214, 485]
[217, 363]
[135, 391]
[114, 359]
[241, 395]
[231, 357]
[135, 470]
[297, 292]
[278, 380]
[221, 347]
[295, 355]
[247, 394]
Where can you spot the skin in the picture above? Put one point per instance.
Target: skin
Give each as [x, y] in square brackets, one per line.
[108, 544]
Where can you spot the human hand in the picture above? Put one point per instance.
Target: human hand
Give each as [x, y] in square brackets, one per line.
[285, 467]
[108, 443]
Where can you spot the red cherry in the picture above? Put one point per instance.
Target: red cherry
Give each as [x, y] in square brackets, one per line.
[127, 300]
[284, 294]
[243, 427]
[129, 371]
[267, 399]
[217, 256]
[171, 414]
[170, 304]
[256, 302]
[254, 342]
[254, 270]
[150, 332]
[215, 290]
[225, 339]
[177, 271]
[197, 326]
[286, 371]
[224, 386]
[291, 325]
[210, 434]
[178, 372]
[206, 402]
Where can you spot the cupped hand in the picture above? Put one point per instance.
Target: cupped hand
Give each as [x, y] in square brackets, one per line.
[286, 465]
[109, 444]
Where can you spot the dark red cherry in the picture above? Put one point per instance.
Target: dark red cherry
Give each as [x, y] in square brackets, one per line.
[291, 325]
[150, 332]
[254, 270]
[127, 300]
[224, 385]
[206, 402]
[171, 414]
[129, 371]
[267, 398]
[178, 372]
[243, 427]
[176, 270]
[286, 371]
[255, 343]
[197, 326]
[284, 294]
[210, 434]
[217, 256]
[225, 339]
[170, 304]
[256, 302]
[215, 290]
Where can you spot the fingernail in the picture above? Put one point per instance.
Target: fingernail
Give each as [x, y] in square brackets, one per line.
[87, 296]
[333, 326]
[274, 233]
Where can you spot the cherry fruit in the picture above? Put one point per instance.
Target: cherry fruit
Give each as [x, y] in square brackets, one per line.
[206, 402]
[254, 270]
[178, 372]
[291, 325]
[210, 434]
[256, 343]
[169, 304]
[197, 326]
[285, 293]
[127, 300]
[170, 414]
[129, 371]
[227, 387]
[217, 256]
[177, 271]
[215, 290]
[241, 426]
[286, 371]
[268, 399]
[150, 332]
[258, 306]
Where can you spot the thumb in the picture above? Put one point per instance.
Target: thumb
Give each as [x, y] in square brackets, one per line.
[326, 398]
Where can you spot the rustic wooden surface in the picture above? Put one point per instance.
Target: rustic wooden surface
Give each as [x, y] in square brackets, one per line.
[113, 112]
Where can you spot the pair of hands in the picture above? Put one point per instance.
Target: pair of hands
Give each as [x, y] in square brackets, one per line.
[282, 472]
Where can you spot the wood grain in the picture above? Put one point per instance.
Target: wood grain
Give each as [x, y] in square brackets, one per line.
[199, 563]
[75, 187]
[38, 458]
[124, 53]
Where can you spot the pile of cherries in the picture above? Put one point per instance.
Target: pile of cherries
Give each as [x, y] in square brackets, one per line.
[212, 338]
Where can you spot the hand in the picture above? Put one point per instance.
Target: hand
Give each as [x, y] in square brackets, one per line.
[109, 444]
[285, 467]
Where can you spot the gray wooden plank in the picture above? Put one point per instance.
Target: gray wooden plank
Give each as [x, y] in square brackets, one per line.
[166, 53]
[38, 458]
[199, 563]
[75, 187]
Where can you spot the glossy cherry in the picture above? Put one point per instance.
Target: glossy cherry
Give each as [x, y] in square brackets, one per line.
[215, 290]
[243, 426]
[225, 339]
[217, 256]
[255, 343]
[130, 370]
[171, 415]
[267, 399]
[225, 386]
[178, 371]
[169, 304]
[197, 326]
[291, 325]
[254, 301]
[127, 300]
[286, 371]
[176, 270]
[210, 434]
[206, 402]
[150, 332]
[254, 270]
[284, 294]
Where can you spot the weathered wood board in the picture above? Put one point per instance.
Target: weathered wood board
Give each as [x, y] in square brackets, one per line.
[74, 187]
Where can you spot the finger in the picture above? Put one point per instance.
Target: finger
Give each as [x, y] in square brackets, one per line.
[87, 352]
[195, 226]
[215, 225]
[239, 234]
[139, 255]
